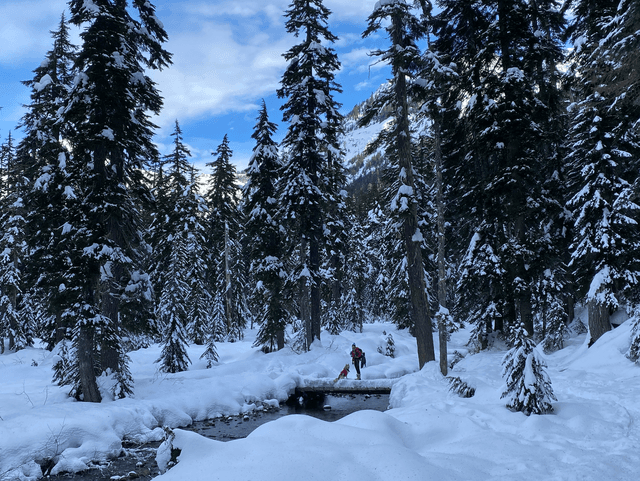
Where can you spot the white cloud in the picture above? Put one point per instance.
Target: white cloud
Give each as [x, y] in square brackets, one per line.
[213, 73]
[24, 33]
[351, 10]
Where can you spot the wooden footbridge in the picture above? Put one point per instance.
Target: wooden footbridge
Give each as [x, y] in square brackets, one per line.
[346, 386]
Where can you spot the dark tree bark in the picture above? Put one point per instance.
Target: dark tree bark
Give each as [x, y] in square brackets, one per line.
[599, 320]
[420, 312]
[86, 365]
[442, 281]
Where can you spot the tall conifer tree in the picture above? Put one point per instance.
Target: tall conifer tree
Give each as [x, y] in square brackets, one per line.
[498, 145]
[311, 151]
[404, 30]
[111, 137]
[43, 157]
[223, 232]
[605, 157]
[263, 234]
[13, 252]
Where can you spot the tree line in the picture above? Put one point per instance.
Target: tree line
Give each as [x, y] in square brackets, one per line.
[507, 190]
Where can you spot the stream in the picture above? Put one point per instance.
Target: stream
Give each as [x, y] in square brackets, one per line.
[138, 461]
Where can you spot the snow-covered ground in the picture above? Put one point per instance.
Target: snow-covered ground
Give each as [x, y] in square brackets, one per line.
[430, 433]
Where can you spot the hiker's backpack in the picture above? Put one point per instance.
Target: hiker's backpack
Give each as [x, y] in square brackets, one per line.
[363, 360]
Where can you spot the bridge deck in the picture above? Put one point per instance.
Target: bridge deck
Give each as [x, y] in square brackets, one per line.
[347, 386]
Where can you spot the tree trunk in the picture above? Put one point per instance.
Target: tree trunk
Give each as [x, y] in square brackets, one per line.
[227, 279]
[442, 281]
[316, 308]
[598, 320]
[280, 339]
[86, 366]
[304, 297]
[419, 310]
[109, 355]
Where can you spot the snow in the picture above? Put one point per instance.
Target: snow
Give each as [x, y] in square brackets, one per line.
[43, 83]
[592, 435]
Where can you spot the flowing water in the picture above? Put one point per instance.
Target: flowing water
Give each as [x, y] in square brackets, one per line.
[139, 463]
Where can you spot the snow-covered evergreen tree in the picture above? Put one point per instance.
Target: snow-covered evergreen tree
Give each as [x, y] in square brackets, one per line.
[43, 156]
[180, 271]
[500, 134]
[528, 387]
[605, 157]
[551, 315]
[634, 348]
[13, 251]
[171, 309]
[388, 346]
[311, 152]
[199, 296]
[264, 236]
[404, 30]
[223, 231]
[110, 134]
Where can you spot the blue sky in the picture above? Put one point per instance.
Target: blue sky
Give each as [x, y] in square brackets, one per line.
[227, 56]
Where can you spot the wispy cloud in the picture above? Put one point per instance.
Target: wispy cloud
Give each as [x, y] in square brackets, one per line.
[24, 33]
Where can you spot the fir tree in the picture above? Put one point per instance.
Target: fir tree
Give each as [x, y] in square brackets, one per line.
[388, 348]
[44, 157]
[604, 159]
[500, 138]
[550, 312]
[199, 295]
[404, 30]
[223, 231]
[263, 234]
[634, 348]
[13, 252]
[434, 80]
[528, 387]
[171, 311]
[180, 270]
[218, 328]
[312, 161]
[110, 133]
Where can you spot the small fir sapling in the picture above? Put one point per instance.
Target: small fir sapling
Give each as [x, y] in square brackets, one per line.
[528, 387]
[389, 347]
[460, 387]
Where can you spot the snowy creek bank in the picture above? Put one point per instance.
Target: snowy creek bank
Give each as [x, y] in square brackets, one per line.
[139, 461]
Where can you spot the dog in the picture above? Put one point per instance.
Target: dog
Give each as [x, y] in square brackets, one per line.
[343, 374]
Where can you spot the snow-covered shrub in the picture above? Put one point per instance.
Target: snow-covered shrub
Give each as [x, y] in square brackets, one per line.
[528, 387]
[634, 349]
[460, 387]
[388, 347]
[457, 357]
[167, 455]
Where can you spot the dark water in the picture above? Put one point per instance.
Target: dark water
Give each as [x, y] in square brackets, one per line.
[139, 463]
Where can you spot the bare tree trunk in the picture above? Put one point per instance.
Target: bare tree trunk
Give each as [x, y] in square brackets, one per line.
[86, 365]
[280, 339]
[442, 281]
[227, 278]
[316, 308]
[304, 297]
[419, 311]
[109, 356]
[599, 322]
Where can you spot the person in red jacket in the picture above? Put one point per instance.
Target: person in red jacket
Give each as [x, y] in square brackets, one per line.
[356, 356]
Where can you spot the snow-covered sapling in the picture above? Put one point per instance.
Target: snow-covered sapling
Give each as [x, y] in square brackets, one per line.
[389, 346]
[634, 349]
[528, 387]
